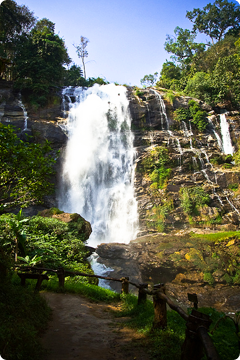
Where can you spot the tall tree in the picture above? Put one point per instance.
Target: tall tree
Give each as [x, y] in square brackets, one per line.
[82, 52]
[216, 19]
[39, 61]
[149, 80]
[15, 20]
[182, 46]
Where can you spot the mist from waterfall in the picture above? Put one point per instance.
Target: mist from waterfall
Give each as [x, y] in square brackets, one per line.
[98, 171]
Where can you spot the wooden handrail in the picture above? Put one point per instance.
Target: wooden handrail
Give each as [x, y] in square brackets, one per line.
[197, 324]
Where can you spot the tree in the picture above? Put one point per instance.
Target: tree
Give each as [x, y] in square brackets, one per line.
[25, 171]
[149, 80]
[82, 52]
[217, 19]
[14, 21]
[182, 46]
[39, 60]
[169, 75]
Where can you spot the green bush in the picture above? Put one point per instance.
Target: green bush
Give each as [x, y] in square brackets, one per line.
[193, 198]
[182, 114]
[53, 242]
[200, 121]
[170, 97]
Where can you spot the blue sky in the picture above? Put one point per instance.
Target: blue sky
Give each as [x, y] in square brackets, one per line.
[126, 37]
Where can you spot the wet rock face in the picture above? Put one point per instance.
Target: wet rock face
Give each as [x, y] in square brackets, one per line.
[195, 160]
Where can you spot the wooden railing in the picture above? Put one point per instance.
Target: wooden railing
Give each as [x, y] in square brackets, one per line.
[197, 340]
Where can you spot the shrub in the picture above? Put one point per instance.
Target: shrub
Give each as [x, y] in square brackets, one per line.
[182, 114]
[199, 120]
[170, 97]
[193, 198]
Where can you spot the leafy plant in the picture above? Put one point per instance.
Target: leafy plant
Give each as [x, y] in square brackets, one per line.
[193, 198]
[26, 170]
[182, 114]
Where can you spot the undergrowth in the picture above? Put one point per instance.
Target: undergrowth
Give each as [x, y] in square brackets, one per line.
[23, 315]
[166, 344]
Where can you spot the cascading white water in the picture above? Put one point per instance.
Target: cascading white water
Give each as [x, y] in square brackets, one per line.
[24, 114]
[226, 138]
[162, 110]
[98, 172]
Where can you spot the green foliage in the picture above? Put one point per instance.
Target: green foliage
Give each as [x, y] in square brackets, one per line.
[200, 121]
[170, 97]
[149, 80]
[15, 20]
[77, 285]
[200, 86]
[170, 76]
[166, 344]
[26, 170]
[38, 62]
[193, 198]
[138, 92]
[233, 187]
[158, 214]
[208, 278]
[49, 242]
[160, 176]
[154, 165]
[182, 114]
[194, 111]
[182, 46]
[23, 315]
[212, 74]
[216, 19]
[73, 76]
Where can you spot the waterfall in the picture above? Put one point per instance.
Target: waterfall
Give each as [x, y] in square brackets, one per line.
[98, 171]
[20, 103]
[220, 145]
[226, 138]
[162, 110]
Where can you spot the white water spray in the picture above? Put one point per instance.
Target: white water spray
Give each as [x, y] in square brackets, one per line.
[98, 173]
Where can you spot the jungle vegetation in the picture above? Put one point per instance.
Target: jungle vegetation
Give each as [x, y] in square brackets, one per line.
[209, 71]
[34, 57]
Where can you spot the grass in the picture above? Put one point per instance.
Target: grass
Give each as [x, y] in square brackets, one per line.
[216, 237]
[23, 316]
[166, 344]
[75, 285]
[162, 344]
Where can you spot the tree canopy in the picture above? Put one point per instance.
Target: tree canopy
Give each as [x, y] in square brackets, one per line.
[216, 19]
[209, 71]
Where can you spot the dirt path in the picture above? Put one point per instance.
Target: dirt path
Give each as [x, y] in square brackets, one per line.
[84, 330]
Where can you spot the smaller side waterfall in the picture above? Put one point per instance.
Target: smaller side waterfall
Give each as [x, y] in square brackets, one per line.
[162, 110]
[226, 138]
[20, 103]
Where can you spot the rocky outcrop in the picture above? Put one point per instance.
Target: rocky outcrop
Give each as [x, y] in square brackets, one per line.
[186, 264]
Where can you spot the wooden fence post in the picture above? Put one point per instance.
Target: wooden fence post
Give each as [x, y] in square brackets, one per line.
[160, 308]
[142, 296]
[125, 285]
[192, 347]
[61, 277]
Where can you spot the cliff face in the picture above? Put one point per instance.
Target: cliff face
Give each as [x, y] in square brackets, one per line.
[37, 126]
[196, 163]
[194, 160]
